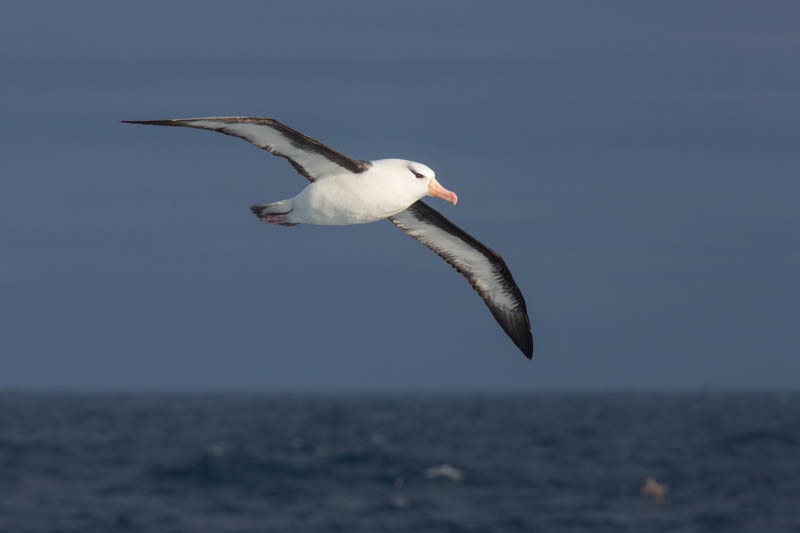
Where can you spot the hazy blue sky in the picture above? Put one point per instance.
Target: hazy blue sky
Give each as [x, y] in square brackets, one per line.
[636, 165]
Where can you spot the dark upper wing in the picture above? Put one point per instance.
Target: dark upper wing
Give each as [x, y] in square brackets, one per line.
[308, 156]
[482, 266]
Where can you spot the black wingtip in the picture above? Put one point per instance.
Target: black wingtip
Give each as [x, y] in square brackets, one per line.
[524, 341]
[517, 326]
[527, 349]
[150, 122]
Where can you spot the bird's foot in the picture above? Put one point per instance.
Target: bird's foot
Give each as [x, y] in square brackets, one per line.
[277, 218]
[273, 218]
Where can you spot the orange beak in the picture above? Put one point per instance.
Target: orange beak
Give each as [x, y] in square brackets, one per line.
[435, 189]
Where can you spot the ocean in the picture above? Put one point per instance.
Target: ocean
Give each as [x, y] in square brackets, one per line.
[416, 462]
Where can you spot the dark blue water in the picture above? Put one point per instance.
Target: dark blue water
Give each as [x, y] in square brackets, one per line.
[372, 463]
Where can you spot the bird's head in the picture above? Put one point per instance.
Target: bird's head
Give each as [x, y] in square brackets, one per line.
[399, 183]
[426, 181]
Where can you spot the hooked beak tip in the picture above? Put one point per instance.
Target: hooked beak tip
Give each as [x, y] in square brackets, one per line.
[436, 189]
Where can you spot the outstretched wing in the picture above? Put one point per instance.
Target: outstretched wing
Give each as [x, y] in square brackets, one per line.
[308, 156]
[483, 267]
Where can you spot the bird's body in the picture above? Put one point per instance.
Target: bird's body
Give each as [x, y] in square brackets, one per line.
[346, 191]
[384, 189]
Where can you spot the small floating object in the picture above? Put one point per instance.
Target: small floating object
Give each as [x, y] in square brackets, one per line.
[656, 490]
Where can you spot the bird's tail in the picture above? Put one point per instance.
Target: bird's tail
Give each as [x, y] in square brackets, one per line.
[274, 212]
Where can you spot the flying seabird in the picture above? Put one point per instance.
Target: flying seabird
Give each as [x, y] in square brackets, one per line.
[346, 191]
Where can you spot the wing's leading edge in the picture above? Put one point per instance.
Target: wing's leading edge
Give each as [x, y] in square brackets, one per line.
[483, 267]
[308, 156]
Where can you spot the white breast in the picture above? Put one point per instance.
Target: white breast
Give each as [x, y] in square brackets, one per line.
[382, 191]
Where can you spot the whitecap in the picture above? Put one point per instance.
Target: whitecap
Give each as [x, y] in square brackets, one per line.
[444, 471]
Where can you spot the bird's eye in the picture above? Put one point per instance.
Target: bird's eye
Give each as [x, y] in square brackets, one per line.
[417, 174]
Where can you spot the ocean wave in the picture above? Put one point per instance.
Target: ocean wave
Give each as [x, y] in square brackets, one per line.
[444, 471]
[226, 464]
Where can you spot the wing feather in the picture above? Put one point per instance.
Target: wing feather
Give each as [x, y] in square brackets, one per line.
[307, 155]
[483, 267]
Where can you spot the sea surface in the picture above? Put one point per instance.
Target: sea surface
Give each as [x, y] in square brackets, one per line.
[399, 462]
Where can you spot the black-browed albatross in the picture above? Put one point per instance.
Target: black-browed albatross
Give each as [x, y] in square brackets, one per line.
[346, 191]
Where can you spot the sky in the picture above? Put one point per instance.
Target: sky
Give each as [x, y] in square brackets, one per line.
[636, 164]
